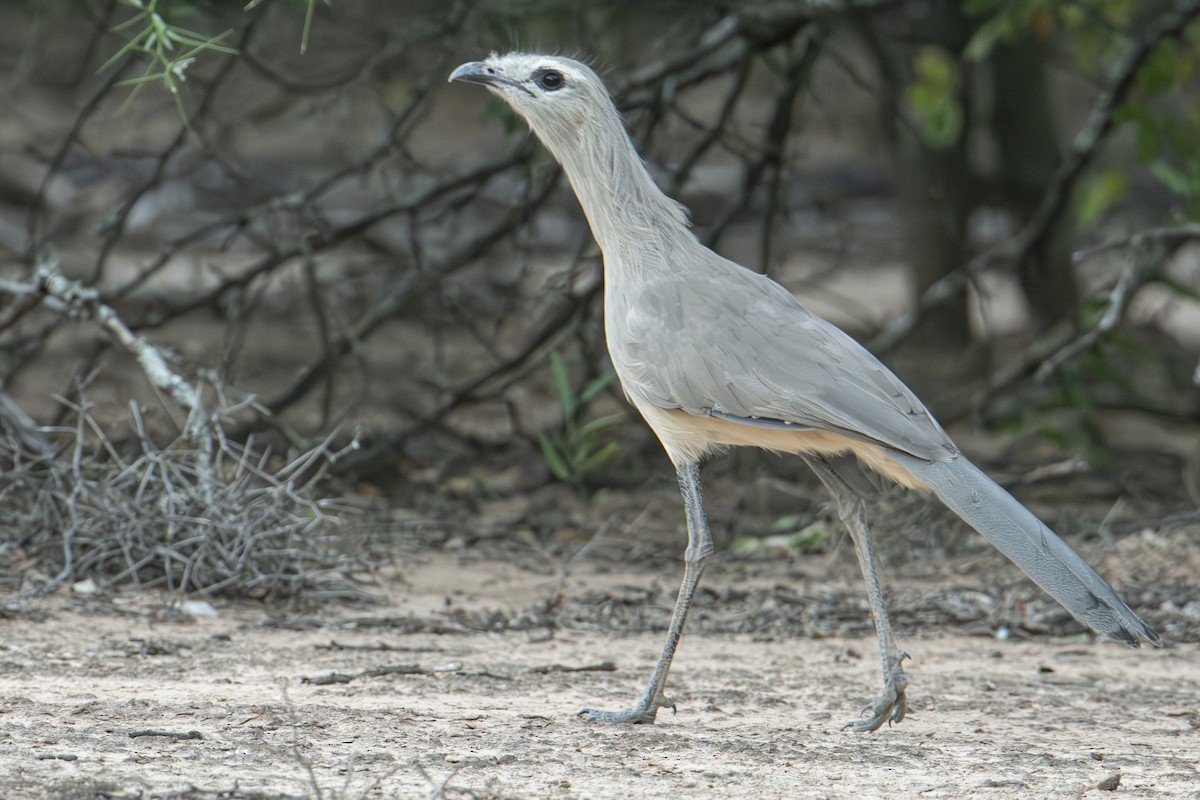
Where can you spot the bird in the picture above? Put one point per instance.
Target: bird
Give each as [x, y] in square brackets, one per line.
[714, 355]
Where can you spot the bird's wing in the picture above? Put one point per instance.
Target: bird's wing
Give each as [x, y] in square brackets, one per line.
[720, 339]
[739, 345]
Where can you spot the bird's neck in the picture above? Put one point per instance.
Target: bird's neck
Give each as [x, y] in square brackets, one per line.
[625, 208]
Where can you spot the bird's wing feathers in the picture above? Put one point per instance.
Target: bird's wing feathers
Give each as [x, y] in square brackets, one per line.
[735, 343]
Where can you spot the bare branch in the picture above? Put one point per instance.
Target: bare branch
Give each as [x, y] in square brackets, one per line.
[75, 299]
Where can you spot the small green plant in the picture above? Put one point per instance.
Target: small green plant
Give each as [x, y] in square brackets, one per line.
[575, 451]
[933, 98]
[789, 534]
[168, 48]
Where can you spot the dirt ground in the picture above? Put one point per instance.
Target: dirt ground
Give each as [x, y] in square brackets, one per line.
[124, 696]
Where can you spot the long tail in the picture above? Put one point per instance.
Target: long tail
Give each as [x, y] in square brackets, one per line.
[1033, 547]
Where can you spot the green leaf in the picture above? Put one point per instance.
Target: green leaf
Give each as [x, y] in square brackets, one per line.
[1157, 74]
[595, 386]
[1147, 144]
[1147, 141]
[1098, 195]
[814, 538]
[599, 459]
[933, 95]
[743, 545]
[156, 76]
[1178, 182]
[986, 37]
[935, 68]
[920, 97]
[787, 523]
[1130, 112]
[1182, 135]
[574, 451]
[597, 425]
[554, 461]
[943, 125]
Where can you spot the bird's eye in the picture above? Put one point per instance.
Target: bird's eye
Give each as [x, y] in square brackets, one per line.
[549, 79]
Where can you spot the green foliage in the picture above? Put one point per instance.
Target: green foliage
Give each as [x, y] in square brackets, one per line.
[1076, 391]
[933, 96]
[1167, 136]
[1160, 72]
[787, 536]
[1167, 143]
[1099, 375]
[1003, 25]
[812, 538]
[576, 451]
[169, 49]
[1094, 33]
[1098, 194]
[1008, 20]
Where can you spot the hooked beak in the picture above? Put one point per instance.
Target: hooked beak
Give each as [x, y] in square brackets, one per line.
[476, 72]
[480, 72]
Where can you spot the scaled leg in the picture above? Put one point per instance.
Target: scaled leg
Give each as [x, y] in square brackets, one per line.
[699, 549]
[890, 705]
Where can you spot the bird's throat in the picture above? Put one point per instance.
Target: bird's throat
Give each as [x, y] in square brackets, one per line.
[624, 207]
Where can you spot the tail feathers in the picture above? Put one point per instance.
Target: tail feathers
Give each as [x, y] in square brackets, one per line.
[1033, 547]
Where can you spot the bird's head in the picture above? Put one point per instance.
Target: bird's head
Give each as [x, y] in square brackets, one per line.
[552, 93]
[567, 106]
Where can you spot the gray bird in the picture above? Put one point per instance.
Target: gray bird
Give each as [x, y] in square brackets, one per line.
[715, 355]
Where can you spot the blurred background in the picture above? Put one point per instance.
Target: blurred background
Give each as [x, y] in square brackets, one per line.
[254, 256]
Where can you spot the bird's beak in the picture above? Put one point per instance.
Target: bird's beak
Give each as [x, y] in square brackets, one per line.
[477, 72]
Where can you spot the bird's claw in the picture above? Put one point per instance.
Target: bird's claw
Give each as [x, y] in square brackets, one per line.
[641, 714]
[891, 706]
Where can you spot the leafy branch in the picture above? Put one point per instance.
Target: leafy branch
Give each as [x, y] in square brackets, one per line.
[169, 49]
[1106, 114]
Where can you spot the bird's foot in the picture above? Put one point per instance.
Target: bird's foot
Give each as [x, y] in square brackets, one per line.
[889, 707]
[641, 714]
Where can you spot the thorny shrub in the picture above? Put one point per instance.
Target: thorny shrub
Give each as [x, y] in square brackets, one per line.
[213, 516]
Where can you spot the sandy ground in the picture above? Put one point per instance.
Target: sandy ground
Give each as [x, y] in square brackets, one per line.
[240, 705]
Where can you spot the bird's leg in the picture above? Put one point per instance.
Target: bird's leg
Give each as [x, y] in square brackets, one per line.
[890, 705]
[699, 549]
